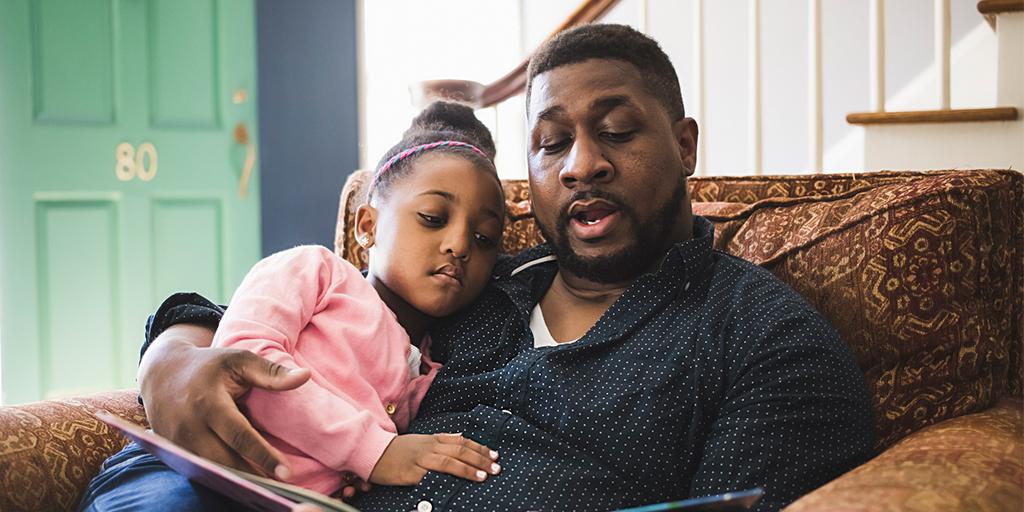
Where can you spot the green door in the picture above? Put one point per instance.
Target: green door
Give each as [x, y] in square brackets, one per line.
[126, 129]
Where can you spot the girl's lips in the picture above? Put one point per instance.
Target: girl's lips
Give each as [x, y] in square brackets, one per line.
[595, 228]
[447, 280]
[449, 274]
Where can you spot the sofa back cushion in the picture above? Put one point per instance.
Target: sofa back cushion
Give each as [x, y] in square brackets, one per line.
[921, 273]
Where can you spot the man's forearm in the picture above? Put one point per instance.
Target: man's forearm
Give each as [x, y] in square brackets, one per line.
[172, 341]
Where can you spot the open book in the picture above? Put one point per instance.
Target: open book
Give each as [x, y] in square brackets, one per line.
[250, 490]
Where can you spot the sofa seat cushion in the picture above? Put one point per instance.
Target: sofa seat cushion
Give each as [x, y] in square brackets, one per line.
[974, 462]
[50, 450]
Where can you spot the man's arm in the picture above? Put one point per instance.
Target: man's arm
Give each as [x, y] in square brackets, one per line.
[796, 413]
[189, 391]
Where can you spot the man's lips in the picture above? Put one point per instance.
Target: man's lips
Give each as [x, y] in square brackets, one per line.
[578, 208]
[449, 274]
[592, 219]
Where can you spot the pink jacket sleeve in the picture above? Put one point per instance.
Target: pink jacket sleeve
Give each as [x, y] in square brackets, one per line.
[271, 307]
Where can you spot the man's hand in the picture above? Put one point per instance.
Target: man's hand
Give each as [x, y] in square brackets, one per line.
[408, 458]
[189, 392]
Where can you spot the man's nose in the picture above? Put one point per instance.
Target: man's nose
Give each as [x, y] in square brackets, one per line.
[585, 164]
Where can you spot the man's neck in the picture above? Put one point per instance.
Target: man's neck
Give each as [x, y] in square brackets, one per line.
[570, 310]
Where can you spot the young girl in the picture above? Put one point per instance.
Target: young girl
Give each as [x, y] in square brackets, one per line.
[431, 226]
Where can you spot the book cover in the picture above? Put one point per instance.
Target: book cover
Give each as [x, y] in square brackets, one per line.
[253, 491]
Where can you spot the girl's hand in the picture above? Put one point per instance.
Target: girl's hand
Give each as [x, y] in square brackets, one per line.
[408, 458]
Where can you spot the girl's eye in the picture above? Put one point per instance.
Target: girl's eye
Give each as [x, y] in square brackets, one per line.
[432, 220]
[485, 240]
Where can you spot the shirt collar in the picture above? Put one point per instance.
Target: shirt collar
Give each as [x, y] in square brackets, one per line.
[685, 264]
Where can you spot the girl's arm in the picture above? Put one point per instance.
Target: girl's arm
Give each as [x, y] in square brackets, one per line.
[274, 303]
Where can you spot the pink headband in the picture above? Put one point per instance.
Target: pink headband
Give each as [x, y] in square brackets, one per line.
[427, 147]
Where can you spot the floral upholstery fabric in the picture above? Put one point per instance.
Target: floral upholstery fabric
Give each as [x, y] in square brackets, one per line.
[973, 462]
[50, 450]
[922, 277]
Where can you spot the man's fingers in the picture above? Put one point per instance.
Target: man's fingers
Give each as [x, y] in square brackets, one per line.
[452, 466]
[240, 437]
[249, 369]
[222, 454]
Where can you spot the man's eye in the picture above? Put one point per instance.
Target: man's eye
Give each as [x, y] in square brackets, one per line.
[485, 240]
[432, 220]
[618, 136]
[554, 146]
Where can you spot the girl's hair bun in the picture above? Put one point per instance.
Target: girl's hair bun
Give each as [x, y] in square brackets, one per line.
[442, 119]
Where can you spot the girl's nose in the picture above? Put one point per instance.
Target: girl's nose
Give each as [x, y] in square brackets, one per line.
[457, 243]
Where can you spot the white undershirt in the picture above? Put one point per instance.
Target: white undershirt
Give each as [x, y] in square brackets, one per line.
[541, 334]
[415, 361]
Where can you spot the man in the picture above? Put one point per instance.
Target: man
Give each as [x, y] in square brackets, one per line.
[623, 363]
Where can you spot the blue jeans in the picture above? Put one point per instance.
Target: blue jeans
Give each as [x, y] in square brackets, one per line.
[133, 479]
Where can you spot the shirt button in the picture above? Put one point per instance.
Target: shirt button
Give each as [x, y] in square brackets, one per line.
[424, 506]
[390, 409]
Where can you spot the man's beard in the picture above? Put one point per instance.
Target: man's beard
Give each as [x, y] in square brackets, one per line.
[653, 238]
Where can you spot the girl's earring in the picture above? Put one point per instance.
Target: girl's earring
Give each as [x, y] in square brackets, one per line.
[364, 241]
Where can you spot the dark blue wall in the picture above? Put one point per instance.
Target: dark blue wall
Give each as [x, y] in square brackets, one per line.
[308, 117]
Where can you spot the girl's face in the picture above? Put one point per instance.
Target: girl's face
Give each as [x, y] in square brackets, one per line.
[436, 233]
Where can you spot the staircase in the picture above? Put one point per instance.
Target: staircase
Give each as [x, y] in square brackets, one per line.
[946, 137]
[751, 96]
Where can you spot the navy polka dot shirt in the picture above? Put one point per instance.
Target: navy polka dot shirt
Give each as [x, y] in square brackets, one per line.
[705, 377]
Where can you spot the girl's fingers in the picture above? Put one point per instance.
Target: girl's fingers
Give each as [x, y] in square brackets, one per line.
[452, 466]
[469, 443]
[466, 454]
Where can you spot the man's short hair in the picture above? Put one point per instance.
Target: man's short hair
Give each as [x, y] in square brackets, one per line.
[607, 41]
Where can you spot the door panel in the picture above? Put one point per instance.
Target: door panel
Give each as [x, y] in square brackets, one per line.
[72, 61]
[193, 267]
[77, 309]
[183, 70]
[92, 235]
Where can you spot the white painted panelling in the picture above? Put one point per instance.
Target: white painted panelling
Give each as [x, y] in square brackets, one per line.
[726, 86]
[540, 17]
[420, 44]
[784, 86]
[844, 50]
[627, 12]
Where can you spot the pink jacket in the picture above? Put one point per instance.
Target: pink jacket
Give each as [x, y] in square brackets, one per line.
[306, 307]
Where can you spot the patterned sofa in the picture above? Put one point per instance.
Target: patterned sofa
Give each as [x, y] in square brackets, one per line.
[921, 272]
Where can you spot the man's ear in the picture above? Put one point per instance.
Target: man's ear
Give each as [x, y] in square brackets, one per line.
[685, 132]
[366, 225]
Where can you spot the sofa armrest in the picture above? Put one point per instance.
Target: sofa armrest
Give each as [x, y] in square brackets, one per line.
[972, 462]
[50, 450]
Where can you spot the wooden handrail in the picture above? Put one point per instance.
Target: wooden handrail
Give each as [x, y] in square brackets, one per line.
[998, 6]
[478, 95]
[970, 115]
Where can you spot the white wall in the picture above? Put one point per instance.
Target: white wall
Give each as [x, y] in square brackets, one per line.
[406, 41]
[457, 42]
